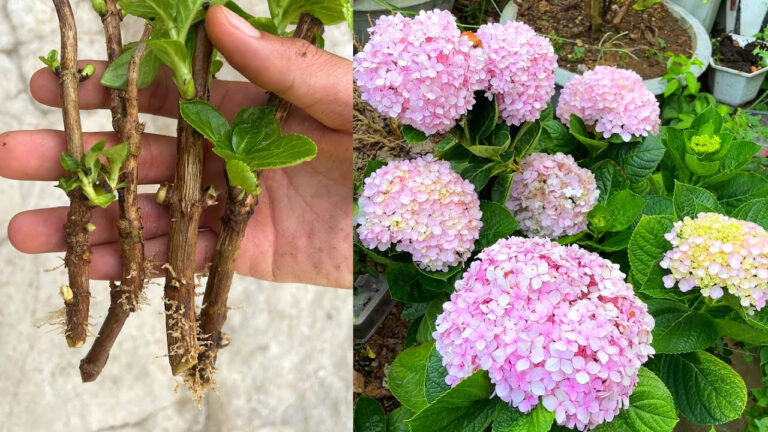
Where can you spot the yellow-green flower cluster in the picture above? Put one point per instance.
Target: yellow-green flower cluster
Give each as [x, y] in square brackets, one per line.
[704, 144]
[715, 252]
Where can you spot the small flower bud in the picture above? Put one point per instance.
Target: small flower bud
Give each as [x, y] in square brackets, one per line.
[86, 72]
[99, 6]
[66, 294]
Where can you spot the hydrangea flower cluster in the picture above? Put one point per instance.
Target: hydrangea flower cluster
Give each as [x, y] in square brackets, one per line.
[551, 195]
[715, 252]
[423, 207]
[547, 321]
[614, 100]
[420, 71]
[704, 144]
[521, 68]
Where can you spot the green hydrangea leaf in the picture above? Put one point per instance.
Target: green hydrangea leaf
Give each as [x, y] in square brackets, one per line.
[510, 419]
[240, 175]
[369, 416]
[691, 200]
[648, 245]
[69, 162]
[209, 121]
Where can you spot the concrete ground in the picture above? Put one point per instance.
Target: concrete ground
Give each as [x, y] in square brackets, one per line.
[288, 367]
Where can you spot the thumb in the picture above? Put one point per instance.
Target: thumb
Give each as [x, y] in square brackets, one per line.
[314, 80]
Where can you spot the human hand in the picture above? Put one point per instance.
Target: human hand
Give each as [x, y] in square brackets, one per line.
[301, 231]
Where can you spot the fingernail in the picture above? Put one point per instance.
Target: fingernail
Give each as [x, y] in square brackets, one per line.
[241, 25]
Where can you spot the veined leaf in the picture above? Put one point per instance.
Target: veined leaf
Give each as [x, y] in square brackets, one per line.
[240, 175]
[208, 121]
[116, 75]
[286, 12]
[289, 150]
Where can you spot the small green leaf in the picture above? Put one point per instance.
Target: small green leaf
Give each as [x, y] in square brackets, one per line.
[625, 205]
[526, 141]
[396, 421]
[407, 375]
[510, 419]
[578, 129]
[498, 223]
[488, 152]
[679, 329]
[739, 154]
[648, 245]
[286, 12]
[501, 188]
[103, 200]
[240, 175]
[91, 158]
[691, 200]
[651, 408]
[427, 326]
[288, 150]
[754, 211]
[69, 162]
[482, 119]
[638, 160]
[51, 60]
[173, 53]
[609, 179]
[706, 390]
[464, 408]
[207, 120]
[601, 218]
[116, 75]
[413, 135]
[369, 416]
[67, 184]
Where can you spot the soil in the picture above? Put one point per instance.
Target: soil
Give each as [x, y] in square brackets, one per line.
[638, 42]
[730, 54]
[370, 372]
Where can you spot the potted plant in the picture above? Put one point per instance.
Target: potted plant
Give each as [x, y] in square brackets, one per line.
[738, 68]
[703, 10]
[611, 43]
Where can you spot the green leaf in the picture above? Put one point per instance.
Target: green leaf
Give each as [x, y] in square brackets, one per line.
[413, 135]
[464, 408]
[116, 75]
[706, 390]
[488, 152]
[739, 154]
[709, 116]
[287, 151]
[207, 120]
[286, 12]
[510, 419]
[482, 119]
[691, 200]
[526, 140]
[116, 156]
[51, 60]
[173, 53]
[67, 184]
[369, 416]
[648, 245]
[701, 167]
[404, 284]
[651, 408]
[638, 160]
[625, 205]
[501, 188]
[434, 382]
[679, 329]
[601, 218]
[609, 179]
[427, 326]
[69, 162]
[658, 205]
[91, 157]
[159, 11]
[103, 200]
[739, 189]
[396, 421]
[578, 129]
[741, 332]
[408, 374]
[240, 175]
[754, 211]
[498, 223]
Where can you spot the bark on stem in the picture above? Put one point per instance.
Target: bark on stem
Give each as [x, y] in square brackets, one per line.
[78, 256]
[186, 205]
[110, 20]
[238, 210]
[125, 297]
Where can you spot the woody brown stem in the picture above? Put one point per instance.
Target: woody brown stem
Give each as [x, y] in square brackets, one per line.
[238, 210]
[594, 11]
[125, 297]
[186, 205]
[78, 256]
[308, 28]
[110, 20]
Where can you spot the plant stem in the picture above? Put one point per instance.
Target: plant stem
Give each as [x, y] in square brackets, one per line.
[594, 10]
[110, 20]
[238, 210]
[186, 205]
[124, 298]
[78, 256]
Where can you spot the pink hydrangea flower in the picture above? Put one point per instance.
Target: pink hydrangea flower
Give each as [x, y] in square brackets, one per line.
[521, 69]
[548, 322]
[420, 71]
[715, 252]
[551, 195]
[423, 207]
[614, 100]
